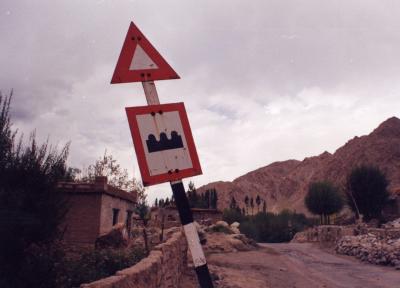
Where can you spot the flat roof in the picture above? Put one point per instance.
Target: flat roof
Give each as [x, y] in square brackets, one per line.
[96, 188]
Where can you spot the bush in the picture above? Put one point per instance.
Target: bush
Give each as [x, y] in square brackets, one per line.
[31, 207]
[269, 227]
[222, 229]
[367, 191]
[232, 215]
[97, 264]
[250, 229]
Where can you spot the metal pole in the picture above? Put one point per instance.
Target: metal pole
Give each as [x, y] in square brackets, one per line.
[185, 213]
[192, 237]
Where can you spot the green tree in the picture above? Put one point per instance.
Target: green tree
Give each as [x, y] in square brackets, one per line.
[367, 191]
[192, 195]
[109, 167]
[232, 215]
[246, 201]
[264, 209]
[143, 211]
[323, 199]
[207, 200]
[233, 204]
[258, 202]
[214, 199]
[31, 206]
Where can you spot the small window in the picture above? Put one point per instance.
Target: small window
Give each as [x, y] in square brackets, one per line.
[115, 216]
[128, 220]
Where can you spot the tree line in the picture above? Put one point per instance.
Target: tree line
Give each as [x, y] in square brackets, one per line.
[32, 209]
[31, 206]
[365, 192]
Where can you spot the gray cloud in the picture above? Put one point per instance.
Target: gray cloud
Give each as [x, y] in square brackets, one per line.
[262, 80]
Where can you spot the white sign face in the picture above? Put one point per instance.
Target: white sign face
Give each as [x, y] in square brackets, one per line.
[164, 142]
[141, 61]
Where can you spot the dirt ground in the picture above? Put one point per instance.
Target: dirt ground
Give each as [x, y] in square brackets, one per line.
[293, 265]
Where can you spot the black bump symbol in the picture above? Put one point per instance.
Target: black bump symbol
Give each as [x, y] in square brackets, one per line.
[164, 143]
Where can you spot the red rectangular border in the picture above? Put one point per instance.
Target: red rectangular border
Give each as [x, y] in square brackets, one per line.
[147, 179]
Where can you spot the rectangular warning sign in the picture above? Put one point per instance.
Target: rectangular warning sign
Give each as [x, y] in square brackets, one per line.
[163, 143]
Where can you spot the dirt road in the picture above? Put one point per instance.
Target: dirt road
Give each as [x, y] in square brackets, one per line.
[300, 266]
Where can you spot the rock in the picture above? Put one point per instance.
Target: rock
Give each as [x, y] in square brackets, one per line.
[116, 238]
[282, 269]
[392, 224]
[235, 225]
[371, 247]
[222, 223]
[218, 242]
[235, 230]
[300, 237]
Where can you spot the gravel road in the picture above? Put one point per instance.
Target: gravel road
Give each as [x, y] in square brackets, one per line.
[293, 265]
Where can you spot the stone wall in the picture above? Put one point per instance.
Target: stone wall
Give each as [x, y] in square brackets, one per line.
[325, 234]
[163, 268]
[330, 234]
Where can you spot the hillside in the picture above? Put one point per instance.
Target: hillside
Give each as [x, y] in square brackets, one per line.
[284, 184]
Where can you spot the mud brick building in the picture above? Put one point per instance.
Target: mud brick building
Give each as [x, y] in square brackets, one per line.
[93, 209]
[391, 211]
[171, 216]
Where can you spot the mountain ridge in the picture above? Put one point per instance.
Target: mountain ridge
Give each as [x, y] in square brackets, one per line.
[284, 184]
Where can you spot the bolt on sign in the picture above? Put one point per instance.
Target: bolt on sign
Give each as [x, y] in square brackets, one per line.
[163, 143]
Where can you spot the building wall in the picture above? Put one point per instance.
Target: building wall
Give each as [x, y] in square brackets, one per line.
[108, 203]
[82, 220]
[201, 216]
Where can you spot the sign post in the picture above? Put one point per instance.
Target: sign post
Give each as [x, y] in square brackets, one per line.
[161, 134]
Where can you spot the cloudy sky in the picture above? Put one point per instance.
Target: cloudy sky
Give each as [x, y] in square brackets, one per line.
[262, 81]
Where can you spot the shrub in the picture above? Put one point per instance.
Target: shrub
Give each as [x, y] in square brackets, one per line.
[269, 227]
[97, 264]
[220, 228]
[232, 215]
[250, 229]
[31, 207]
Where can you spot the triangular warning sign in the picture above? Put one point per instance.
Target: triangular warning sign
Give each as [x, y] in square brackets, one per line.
[139, 61]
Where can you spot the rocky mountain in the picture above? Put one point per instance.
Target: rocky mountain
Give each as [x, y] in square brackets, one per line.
[284, 184]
